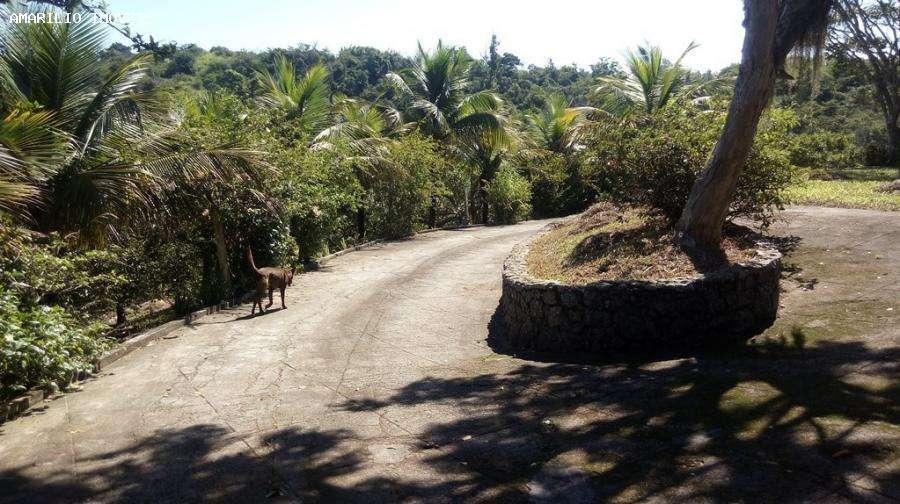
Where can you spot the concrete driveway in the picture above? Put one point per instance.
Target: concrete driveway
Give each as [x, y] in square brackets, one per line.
[378, 384]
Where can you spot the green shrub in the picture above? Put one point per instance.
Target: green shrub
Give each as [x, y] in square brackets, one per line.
[556, 185]
[398, 195]
[655, 160]
[318, 191]
[825, 149]
[509, 196]
[40, 344]
[48, 270]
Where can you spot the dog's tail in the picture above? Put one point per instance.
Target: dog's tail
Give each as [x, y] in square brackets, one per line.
[250, 260]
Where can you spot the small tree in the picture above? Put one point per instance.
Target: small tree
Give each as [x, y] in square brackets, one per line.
[773, 29]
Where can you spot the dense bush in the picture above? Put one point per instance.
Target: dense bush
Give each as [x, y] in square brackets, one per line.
[556, 185]
[47, 270]
[655, 160]
[42, 344]
[406, 186]
[509, 196]
[824, 149]
[318, 191]
[43, 285]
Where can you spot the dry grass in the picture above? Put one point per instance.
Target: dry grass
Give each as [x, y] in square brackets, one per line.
[608, 242]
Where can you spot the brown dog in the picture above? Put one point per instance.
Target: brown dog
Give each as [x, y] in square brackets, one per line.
[269, 279]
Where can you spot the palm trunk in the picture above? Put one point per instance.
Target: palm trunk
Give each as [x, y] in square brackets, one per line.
[707, 206]
[482, 194]
[120, 314]
[361, 222]
[432, 212]
[471, 208]
[221, 249]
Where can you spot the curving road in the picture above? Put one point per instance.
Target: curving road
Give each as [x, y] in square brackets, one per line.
[377, 384]
[221, 393]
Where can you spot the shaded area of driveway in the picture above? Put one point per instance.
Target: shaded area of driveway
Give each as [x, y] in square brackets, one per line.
[378, 384]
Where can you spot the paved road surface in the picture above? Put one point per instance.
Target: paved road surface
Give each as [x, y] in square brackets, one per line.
[377, 384]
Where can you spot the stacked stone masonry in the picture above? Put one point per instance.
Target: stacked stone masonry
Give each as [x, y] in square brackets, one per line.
[727, 306]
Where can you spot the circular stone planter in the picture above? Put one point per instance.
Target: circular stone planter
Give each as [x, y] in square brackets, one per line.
[726, 306]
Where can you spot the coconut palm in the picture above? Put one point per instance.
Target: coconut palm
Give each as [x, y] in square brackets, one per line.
[557, 127]
[365, 127]
[114, 151]
[652, 82]
[433, 94]
[305, 100]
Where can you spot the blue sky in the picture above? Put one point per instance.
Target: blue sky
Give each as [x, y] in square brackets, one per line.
[566, 31]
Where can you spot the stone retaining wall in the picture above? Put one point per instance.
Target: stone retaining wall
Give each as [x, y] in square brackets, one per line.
[730, 305]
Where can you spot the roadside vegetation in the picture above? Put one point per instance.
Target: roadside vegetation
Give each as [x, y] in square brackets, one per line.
[134, 177]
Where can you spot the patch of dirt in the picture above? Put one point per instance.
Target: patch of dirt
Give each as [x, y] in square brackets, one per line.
[611, 242]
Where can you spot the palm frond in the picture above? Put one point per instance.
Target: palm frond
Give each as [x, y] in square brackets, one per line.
[651, 83]
[114, 102]
[304, 100]
[54, 64]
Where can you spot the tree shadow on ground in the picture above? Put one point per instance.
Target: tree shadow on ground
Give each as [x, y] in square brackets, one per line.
[764, 425]
[776, 423]
[208, 463]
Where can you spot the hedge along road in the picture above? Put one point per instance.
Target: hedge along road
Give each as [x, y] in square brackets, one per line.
[378, 384]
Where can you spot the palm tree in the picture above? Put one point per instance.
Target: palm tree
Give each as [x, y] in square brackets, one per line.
[433, 92]
[305, 100]
[365, 127]
[557, 127]
[557, 131]
[103, 152]
[474, 125]
[652, 82]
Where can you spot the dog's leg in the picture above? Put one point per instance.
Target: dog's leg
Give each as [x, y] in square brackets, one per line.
[253, 310]
[271, 290]
[282, 298]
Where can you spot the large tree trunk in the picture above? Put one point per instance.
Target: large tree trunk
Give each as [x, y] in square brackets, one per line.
[707, 206]
[893, 132]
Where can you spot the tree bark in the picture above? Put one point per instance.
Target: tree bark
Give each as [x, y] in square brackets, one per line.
[432, 212]
[707, 206]
[471, 205]
[485, 207]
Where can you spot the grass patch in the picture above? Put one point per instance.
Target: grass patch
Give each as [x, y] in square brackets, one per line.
[607, 242]
[843, 193]
[846, 188]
